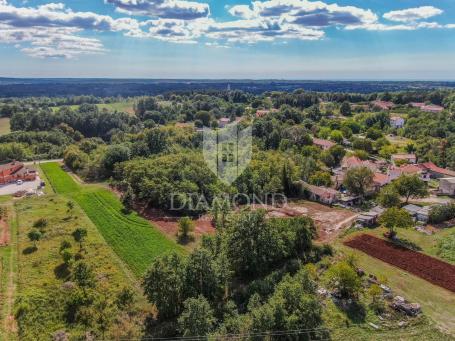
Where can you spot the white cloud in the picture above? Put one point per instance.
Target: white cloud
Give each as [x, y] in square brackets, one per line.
[167, 9]
[413, 14]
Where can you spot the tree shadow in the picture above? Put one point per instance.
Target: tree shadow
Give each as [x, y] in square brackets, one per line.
[29, 250]
[354, 310]
[184, 240]
[402, 242]
[62, 271]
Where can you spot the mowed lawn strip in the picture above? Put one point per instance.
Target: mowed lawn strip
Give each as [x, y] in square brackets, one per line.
[132, 237]
[60, 181]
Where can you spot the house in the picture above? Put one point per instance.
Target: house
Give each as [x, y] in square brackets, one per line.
[427, 107]
[409, 169]
[432, 108]
[14, 171]
[370, 218]
[349, 162]
[436, 172]
[324, 144]
[224, 121]
[380, 180]
[447, 186]
[383, 105]
[323, 195]
[396, 122]
[408, 158]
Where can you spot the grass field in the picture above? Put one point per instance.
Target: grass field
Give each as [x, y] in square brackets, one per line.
[41, 291]
[124, 106]
[4, 126]
[437, 303]
[8, 271]
[132, 238]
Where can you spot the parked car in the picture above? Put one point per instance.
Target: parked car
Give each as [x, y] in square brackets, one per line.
[19, 182]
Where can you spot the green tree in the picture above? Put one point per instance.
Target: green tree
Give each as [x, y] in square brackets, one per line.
[125, 299]
[389, 196]
[394, 218]
[411, 186]
[83, 276]
[164, 283]
[200, 275]
[70, 205]
[321, 178]
[186, 226]
[79, 236]
[34, 237]
[358, 180]
[197, 318]
[345, 109]
[67, 256]
[128, 198]
[345, 279]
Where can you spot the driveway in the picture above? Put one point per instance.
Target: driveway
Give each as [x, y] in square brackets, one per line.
[13, 188]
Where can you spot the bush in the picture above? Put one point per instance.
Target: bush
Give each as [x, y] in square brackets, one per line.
[441, 213]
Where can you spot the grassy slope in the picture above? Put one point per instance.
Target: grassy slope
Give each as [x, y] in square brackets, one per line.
[8, 266]
[41, 275]
[437, 303]
[133, 238]
[125, 106]
[4, 125]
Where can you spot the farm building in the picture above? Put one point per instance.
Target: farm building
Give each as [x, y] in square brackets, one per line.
[447, 186]
[14, 171]
[323, 195]
[435, 171]
[224, 121]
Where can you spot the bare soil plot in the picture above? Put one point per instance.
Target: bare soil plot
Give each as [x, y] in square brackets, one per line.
[431, 269]
[168, 223]
[329, 221]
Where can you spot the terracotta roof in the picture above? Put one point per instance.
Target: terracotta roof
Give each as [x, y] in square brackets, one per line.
[381, 179]
[432, 108]
[410, 169]
[433, 168]
[322, 142]
[384, 104]
[321, 191]
[351, 161]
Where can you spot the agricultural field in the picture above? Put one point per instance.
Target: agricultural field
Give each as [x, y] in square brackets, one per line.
[4, 125]
[45, 281]
[126, 106]
[133, 238]
[431, 269]
[437, 303]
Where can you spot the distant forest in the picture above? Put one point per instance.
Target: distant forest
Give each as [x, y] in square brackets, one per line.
[22, 87]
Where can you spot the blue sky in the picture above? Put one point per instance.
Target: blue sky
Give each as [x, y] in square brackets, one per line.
[285, 39]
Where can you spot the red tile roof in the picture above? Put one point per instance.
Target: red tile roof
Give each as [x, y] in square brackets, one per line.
[323, 143]
[381, 179]
[430, 166]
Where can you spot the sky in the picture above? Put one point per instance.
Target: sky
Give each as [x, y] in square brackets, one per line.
[238, 39]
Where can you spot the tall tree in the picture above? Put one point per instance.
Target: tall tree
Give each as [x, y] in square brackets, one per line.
[358, 180]
[411, 186]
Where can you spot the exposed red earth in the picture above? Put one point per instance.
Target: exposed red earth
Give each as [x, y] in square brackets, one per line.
[431, 269]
